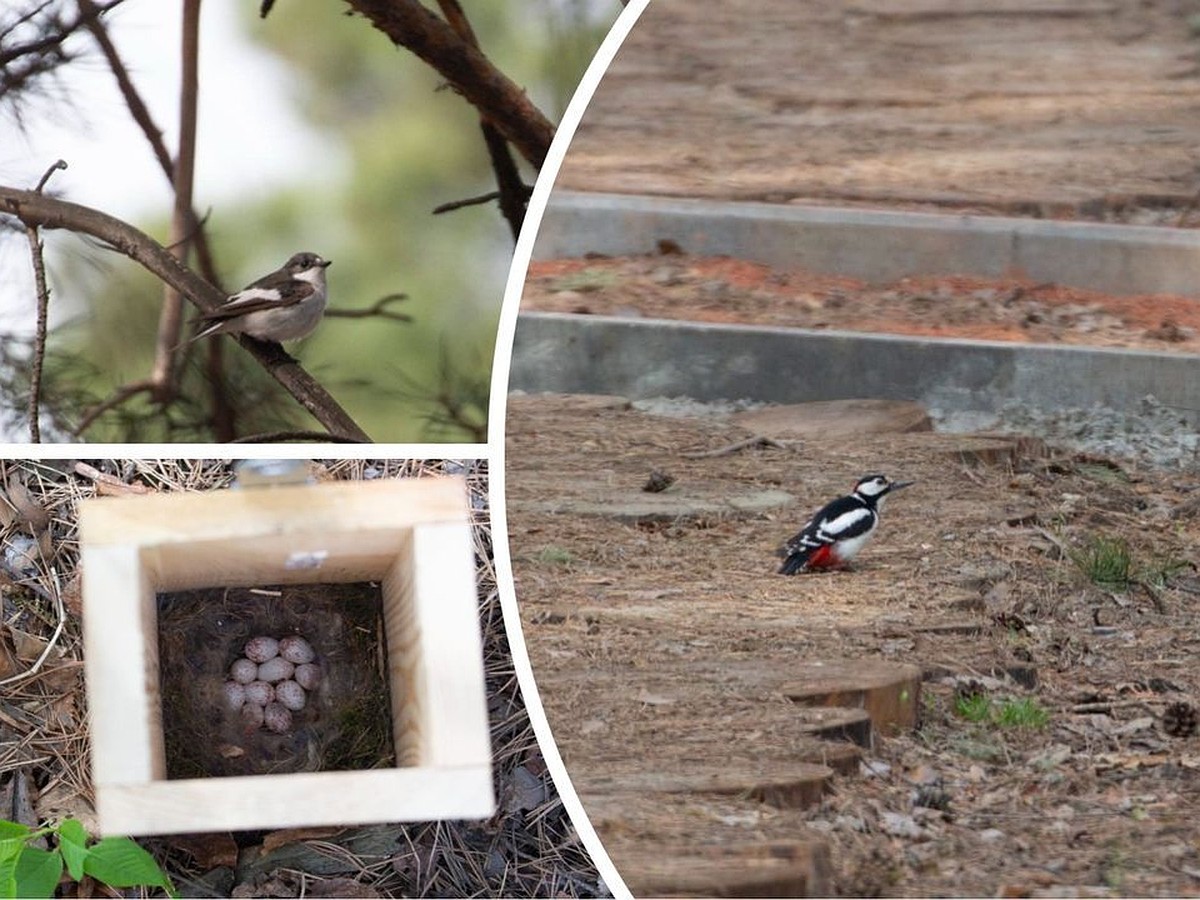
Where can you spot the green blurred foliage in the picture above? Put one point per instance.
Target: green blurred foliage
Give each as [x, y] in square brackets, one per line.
[401, 143]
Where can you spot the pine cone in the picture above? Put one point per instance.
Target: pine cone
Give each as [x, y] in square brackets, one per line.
[658, 482]
[1180, 719]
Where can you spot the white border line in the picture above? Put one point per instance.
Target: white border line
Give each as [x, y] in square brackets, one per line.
[306, 450]
[496, 422]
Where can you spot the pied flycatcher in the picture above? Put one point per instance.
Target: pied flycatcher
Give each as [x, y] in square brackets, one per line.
[283, 306]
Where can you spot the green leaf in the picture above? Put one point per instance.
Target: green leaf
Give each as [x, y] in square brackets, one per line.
[38, 872]
[8, 875]
[12, 842]
[72, 843]
[119, 862]
[10, 830]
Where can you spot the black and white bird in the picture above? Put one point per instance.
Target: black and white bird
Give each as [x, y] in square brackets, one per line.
[283, 306]
[840, 529]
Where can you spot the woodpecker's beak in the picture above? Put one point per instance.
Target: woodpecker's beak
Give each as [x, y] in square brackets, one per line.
[325, 263]
[896, 485]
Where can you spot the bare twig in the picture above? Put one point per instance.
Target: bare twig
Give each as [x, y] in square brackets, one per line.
[274, 437]
[58, 166]
[223, 413]
[170, 321]
[133, 100]
[737, 446]
[377, 309]
[37, 209]
[119, 396]
[512, 192]
[43, 311]
[503, 102]
[477, 200]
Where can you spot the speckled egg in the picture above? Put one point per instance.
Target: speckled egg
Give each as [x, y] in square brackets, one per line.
[277, 669]
[307, 675]
[262, 648]
[277, 718]
[259, 692]
[291, 695]
[235, 695]
[296, 649]
[243, 671]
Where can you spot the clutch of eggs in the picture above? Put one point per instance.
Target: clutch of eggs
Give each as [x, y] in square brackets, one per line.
[271, 680]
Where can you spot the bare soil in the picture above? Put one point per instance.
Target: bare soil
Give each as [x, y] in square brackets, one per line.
[726, 290]
[1022, 107]
[660, 645]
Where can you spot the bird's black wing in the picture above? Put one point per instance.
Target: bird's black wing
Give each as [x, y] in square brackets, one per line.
[259, 296]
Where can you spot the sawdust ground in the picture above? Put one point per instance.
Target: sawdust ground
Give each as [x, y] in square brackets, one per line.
[637, 631]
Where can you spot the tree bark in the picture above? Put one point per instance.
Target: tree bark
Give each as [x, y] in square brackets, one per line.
[465, 67]
[34, 209]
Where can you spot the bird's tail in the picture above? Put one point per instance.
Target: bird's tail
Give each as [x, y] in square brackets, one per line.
[795, 563]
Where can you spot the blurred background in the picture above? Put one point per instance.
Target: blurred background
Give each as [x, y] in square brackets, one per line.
[315, 133]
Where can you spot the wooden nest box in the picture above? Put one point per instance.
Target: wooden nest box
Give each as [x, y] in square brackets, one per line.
[412, 536]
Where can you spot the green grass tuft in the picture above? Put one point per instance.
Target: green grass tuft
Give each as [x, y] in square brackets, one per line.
[1106, 561]
[973, 707]
[1023, 713]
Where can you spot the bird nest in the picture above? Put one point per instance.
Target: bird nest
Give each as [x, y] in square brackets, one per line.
[345, 721]
[530, 848]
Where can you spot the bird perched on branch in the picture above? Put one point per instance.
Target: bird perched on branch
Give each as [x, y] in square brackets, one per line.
[283, 306]
[840, 529]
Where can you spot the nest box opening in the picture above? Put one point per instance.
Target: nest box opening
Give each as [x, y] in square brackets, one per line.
[326, 709]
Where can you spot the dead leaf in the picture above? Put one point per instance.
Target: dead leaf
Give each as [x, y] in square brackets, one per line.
[208, 850]
[22, 799]
[524, 791]
[9, 665]
[276, 839]
[61, 801]
[72, 596]
[341, 887]
[31, 513]
[28, 646]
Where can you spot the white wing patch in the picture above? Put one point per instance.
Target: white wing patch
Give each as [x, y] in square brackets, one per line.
[829, 530]
[250, 295]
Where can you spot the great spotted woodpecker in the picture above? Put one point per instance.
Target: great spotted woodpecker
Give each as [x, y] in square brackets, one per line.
[840, 529]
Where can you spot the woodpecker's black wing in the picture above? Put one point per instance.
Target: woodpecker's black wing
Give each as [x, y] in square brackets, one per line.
[841, 519]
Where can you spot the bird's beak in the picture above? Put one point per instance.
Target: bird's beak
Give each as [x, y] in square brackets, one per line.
[325, 263]
[896, 485]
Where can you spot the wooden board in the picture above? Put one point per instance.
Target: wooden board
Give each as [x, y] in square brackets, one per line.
[889, 692]
[412, 535]
[778, 869]
[786, 784]
[836, 418]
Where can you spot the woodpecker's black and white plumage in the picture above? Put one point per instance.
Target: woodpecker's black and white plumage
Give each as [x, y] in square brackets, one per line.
[840, 529]
[285, 305]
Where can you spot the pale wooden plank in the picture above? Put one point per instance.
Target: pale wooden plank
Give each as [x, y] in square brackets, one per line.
[447, 617]
[413, 535]
[338, 532]
[292, 801]
[337, 507]
[121, 666]
[406, 664]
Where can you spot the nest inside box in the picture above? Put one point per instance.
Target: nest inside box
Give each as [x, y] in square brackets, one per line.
[346, 723]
